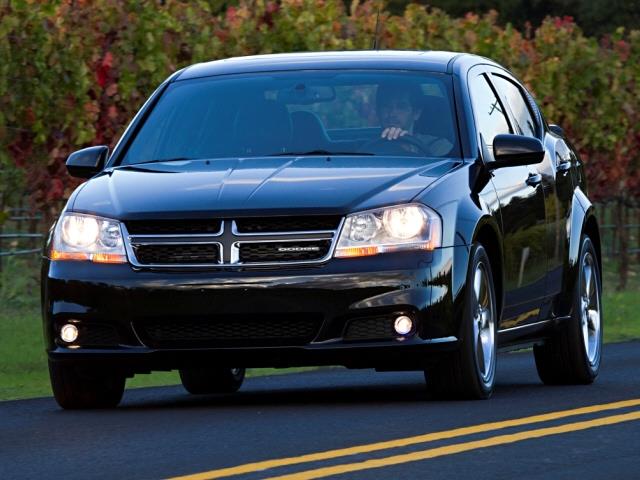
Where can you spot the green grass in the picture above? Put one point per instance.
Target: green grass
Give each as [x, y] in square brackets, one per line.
[621, 309]
[23, 364]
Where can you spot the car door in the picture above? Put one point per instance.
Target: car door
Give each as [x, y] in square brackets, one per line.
[522, 209]
[557, 184]
[558, 214]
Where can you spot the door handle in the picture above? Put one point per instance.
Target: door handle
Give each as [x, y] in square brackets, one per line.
[534, 179]
[564, 165]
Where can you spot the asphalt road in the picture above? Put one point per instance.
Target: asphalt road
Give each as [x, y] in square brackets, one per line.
[165, 433]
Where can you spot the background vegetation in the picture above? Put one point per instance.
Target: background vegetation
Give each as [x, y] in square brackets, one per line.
[595, 17]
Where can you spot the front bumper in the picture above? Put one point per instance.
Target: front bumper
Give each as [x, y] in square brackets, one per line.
[422, 285]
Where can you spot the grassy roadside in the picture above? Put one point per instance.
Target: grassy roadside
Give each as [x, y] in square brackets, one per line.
[23, 371]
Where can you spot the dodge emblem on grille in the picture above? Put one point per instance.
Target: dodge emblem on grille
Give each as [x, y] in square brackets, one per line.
[298, 249]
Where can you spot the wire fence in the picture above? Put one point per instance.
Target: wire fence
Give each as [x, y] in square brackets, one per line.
[619, 226]
[20, 232]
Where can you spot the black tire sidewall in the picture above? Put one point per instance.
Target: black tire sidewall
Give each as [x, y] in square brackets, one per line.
[77, 387]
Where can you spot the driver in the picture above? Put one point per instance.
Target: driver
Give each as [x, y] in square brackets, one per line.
[398, 110]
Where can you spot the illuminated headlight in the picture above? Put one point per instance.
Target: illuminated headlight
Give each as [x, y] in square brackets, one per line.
[87, 237]
[402, 227]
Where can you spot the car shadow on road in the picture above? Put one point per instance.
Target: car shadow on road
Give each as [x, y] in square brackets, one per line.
[409, 389]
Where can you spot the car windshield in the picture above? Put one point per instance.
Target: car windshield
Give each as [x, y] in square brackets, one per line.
[338, 112]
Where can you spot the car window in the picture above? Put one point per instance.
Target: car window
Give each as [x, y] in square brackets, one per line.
[512, 96]
[273, 113]
[488, 110]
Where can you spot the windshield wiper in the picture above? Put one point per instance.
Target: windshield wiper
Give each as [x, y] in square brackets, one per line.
[315, 152]
[160, 160]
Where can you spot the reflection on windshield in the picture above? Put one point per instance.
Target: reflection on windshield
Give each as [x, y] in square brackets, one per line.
[300, 113]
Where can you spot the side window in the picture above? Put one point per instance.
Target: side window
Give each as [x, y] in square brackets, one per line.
[488, 111]
[512, 95]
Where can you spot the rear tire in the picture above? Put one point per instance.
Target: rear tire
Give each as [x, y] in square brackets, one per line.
[81, 388]
[201, 381]
[470, 371]
[573, 354]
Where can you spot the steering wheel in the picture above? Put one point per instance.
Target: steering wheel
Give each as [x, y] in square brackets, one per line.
[392, 147]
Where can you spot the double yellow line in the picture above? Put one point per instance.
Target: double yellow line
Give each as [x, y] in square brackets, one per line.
[430, 437]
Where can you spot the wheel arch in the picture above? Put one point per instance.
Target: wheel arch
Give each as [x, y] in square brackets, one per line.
[592, 229]
[582, 220]
[488, 234]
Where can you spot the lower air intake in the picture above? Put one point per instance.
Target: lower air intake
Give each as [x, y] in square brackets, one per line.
[280, 330]
[370, 328]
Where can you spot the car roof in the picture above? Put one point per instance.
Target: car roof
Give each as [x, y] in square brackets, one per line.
[433, 61]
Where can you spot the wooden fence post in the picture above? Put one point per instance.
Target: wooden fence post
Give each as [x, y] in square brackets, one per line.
[638, 234]
[623, 237]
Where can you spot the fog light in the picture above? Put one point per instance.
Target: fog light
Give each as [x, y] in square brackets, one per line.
[403, 325]
[69, 333]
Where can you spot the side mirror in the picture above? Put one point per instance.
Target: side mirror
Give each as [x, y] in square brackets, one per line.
[515, 150]
[87, 162]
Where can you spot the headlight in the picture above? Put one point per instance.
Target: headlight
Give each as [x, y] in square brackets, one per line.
[403, 227]
[87, 237]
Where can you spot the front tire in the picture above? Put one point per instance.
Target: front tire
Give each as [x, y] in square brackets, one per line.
[470, 371]
[81, 388]
[202, 381]
[573, 354]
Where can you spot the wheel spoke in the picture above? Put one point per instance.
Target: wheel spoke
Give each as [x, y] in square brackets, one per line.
[588, 274]
[477, 284]
[585, 332]
[594, 319]
[486, 314]
[476, 327]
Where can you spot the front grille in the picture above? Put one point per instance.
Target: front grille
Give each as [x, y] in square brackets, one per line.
[312, 223]
[237, 330]
[370, 328]
[220, 243]
[173, 227]
[284, 251]
[167, 254]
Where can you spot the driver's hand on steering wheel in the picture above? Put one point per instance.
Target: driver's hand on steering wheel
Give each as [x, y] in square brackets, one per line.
[393, 133]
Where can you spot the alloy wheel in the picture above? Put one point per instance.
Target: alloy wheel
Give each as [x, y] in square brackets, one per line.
[483, 323]
[590, 315]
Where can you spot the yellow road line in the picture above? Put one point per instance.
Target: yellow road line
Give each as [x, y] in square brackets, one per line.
[403, 442]
[459, 447]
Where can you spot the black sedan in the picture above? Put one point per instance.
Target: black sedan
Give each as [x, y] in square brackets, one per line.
[380, 209]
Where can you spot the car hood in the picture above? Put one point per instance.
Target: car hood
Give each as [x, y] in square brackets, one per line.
[251, 186]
